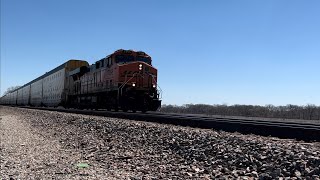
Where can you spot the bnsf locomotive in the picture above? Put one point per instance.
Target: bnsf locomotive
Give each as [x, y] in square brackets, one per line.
[123, 80]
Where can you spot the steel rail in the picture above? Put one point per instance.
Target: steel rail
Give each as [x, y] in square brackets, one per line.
[292, 130]
[259, 121]
[241, 119]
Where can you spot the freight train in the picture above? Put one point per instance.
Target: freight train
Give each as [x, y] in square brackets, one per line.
[123, 80]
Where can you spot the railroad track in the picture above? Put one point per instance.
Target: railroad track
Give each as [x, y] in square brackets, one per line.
[292, 130]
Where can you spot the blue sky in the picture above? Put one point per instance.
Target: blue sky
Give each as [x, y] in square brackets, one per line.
[212, 52]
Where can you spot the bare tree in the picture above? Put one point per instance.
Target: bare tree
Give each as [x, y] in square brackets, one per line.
[10, 89]
[310, 111]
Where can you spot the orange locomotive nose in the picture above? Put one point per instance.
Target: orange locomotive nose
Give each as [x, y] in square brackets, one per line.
[138, 74]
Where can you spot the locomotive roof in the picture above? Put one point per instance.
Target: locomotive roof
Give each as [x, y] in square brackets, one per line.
[130, 51]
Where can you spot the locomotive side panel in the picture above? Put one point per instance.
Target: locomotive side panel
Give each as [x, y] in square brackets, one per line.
[69, 82]
[87, 83]
[84, 84]
[108, 73]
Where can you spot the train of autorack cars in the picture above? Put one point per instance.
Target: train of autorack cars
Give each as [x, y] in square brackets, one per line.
[123, 80]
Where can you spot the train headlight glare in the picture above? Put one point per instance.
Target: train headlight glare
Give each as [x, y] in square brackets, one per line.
[154, 86]
[140, 67]
[133, 84]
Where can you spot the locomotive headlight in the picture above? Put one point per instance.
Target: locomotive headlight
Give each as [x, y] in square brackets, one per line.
[140, 67]
[133, 84]
[154, 86]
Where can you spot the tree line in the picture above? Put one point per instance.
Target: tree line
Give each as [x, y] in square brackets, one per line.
[307, 112]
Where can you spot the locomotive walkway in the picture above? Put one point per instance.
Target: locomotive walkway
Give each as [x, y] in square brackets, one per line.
[292, 130]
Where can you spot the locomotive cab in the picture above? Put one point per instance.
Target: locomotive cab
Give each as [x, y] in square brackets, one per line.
[137, 82]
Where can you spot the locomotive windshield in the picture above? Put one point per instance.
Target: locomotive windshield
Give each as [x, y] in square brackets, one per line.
[144, 59]
[128, 58]
[124, 58]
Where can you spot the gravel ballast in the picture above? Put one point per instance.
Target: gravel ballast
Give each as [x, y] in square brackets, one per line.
[39, 144]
